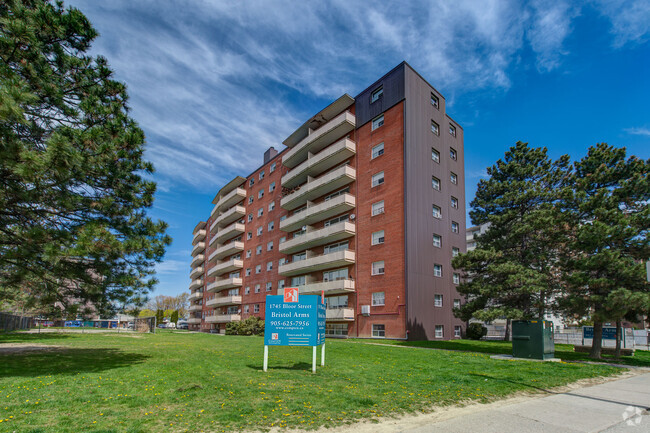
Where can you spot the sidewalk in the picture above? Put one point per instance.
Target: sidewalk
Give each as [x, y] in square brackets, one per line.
[610, 407]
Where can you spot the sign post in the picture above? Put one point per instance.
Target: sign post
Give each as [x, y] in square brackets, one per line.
[292, 320]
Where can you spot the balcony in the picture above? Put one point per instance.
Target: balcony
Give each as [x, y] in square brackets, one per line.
[315, 188]
[223, 318]
[339, 314]
[197, 260]
[319, 212]
[195, 284]
[195, 307]
[229, 200]
[196, 295]
[196, 272]
[226, 267]
[320, 163]
[314, 238]
[198, 236]
[223, 301]
[226, 250]
[337, 287]
[228, 232]
[194, 321]
[227, 283]
[336, 128]
[318, 263]
[198, 248]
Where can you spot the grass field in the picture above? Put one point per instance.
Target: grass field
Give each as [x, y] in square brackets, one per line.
[171, 381]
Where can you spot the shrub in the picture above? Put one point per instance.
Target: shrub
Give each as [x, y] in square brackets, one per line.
[475, 331]
[250, 326]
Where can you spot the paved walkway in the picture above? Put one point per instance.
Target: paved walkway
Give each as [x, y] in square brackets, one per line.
[620, 406]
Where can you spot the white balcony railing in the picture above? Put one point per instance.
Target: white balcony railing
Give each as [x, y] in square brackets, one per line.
[313, 238]
[226, 283]
[224, 300]
[225, 267]
[319, 212]
[320, 163]
[318, 263]
[339, 314]
[318, 187]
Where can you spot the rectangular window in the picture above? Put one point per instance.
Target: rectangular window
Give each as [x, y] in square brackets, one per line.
[272, 169]
[336, 302]
[452, 130]
[282, 261]
[298, 281]
[248, 254]
[248, 272]
[249, 236]
[453, 178]
[336, 275]
[250, 217]
[260, 212]
[440, 331]
[457, 331]
[283, 217]
[454, 202]
[300, 256]
[247, 290]
[260, 230]
[257, 288]
[435, 128]
[435, 183]
[437, 241]
[453, 154]
[435, 155]
[437, 212]
[258, 250]
[251, 182]
[269, 246]
[378, 299]
[434, 100]
[246, 308]
[258, 269]
[271, 225]
[377, 179]
[378, 268]
[271, 206]
[378, 238]
[336, 329]
[378, 208]
[378, 150]
[250, 199]
[375, 95]
[260, 194]
[269, 286]
[340, 246]
[456, 303]
[256, 308]
[272, 187]
[282, 239]
[334, 221]
[437, 300]
[377, 122]
[379, 331]
[269, 266]
[280, 284]
[337, 193]
[455, 251]
[455, 228]
[437, 270]
[456, 278]
[261, 174]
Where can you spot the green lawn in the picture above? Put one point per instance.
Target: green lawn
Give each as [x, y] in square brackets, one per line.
[111, 382]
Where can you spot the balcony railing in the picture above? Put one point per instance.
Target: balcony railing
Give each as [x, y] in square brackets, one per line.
[336, 287]
[230, 199]
[195, 307]
[318, 187]
[194, 320]
[196, 272]
[225, 267]
[224, 300]
[339, 314]
[336, 128]
[223, 318]
[196, 283]
[196, 295]
[319, 212]
[198, 236]
[228, 232]
[226, 283]
[320, 163]
[226, 250]
[318, 263]
[197, 260]
[198, 248]
[326, 235]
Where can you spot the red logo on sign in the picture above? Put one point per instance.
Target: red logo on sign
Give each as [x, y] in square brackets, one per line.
[291, 294]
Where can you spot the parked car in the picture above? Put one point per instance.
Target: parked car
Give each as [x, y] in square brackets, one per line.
[183, 326]
[161, 326]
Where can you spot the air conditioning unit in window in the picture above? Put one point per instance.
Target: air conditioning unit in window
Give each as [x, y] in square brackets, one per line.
[365, 310]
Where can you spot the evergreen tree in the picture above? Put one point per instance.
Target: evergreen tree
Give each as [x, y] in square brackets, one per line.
[174, 317]
[73, 224]
[606, 218]
[160, 317]
[511, 272]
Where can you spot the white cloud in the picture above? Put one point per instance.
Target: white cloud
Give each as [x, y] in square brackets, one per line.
[638, 131]
[172, 267]
[549, 27]
[630, 20]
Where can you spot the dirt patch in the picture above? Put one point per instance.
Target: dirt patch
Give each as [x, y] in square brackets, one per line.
[19, 348]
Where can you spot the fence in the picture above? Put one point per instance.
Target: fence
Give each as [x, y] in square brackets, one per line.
[13, 322]
[145, 324]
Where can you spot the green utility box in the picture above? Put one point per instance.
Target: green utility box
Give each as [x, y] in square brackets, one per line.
[532, 339]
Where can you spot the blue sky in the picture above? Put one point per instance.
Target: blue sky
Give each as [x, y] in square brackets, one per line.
[213, 82]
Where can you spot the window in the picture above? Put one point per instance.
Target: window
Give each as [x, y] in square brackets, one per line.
[435, 155]
[375, 95]
[250, 217]
[377, 122]
[440, 331]
[272, 169]
[378, 299]
[334, 221]
[378, 268]
[455, 251]
[378, 179]
[300, 256]
[456, 303]
[269, 266]
[437, 270]
[454, 202]
[272, 187]
[260, 230]
[283, 217]
[271, 225]
[336, 329]
[250, 199]
[249, 236]
[454, 178]
[282, 261]
[453, 154]
[260, 212]
[435, 128]
[379, 331]
[258, 269]
[456, 278]
[435, 183]
[457, 331]
[280, 284]
[378, 237]
[437, 300]
[336, 275]
[269, 286]
[340, 246]
[455, 228]
[434, 100]
[261, 174]
[269, 246]
[338, 193]
[260, 193]
[258, 250]
[256, 308]
[247, 290]
[248, 272]
[452, 130]
[282, 239]
[437, 241]
[437, 212]
[251, 182]
[378, 150]
[257, 288]
[298, 281]
[246, 308]
[248, 254]
[336, 302]
[377, 208]
[271, 206]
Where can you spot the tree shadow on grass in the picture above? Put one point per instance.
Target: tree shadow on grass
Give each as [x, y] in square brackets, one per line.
[21, 337]
[58, 360]
[295, 366]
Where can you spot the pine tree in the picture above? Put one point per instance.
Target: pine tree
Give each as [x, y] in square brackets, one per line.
[174, 317]
[511, 272]
[606, 219]
[73, 224]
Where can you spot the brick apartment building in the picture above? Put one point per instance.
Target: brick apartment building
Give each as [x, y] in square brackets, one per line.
[366, 203]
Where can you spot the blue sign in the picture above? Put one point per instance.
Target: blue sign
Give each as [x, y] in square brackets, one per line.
[609, 333]
[299, 323]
